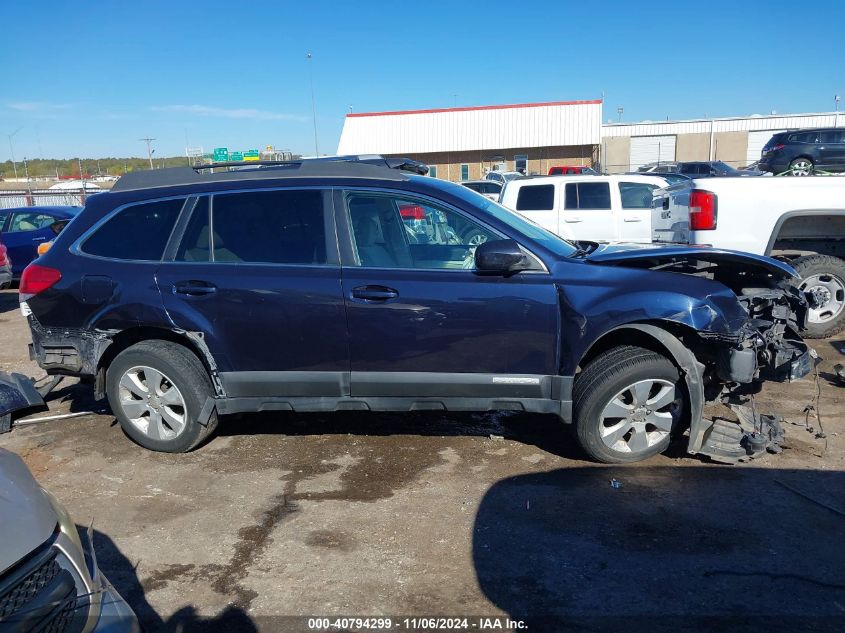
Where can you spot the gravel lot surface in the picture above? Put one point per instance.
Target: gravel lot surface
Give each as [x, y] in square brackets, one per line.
[471, 515]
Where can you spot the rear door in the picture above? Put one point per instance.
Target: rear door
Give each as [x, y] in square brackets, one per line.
[635, 217]
[540, 203]
[588, 211]
[257, 274]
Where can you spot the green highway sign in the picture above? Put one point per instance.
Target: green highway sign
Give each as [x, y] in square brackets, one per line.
[236, 156]
[251, 155]
[221, 154]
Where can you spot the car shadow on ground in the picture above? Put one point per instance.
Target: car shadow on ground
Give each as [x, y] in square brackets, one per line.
[122, 573]
[546, 432]
[670, 549]
[8, 301]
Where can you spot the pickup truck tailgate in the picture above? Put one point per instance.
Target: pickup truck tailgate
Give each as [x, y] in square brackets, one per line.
[670, 214]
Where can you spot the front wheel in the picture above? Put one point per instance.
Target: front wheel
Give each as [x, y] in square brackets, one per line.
[823, 280]
[156, 390]
[626, 403]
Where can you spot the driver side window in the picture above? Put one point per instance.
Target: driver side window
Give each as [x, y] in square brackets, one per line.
[397, 232]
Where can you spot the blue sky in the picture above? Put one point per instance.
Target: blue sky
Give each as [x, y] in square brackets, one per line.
[91, 79]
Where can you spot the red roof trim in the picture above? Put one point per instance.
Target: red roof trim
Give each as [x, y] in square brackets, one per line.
[468, 109]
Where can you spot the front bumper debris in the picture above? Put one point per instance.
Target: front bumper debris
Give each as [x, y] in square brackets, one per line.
[753, 436]
[17, 392]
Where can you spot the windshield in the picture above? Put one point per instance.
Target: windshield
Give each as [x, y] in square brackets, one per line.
[517, 222]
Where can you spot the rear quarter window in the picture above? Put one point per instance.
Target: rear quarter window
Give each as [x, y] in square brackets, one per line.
[536, 198]
[137, 232]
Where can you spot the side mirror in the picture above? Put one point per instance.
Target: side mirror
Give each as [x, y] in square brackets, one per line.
[500, 256]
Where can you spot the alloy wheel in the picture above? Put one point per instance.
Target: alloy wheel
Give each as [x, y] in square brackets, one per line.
[152, 403]
[639, 416]
[801, 167]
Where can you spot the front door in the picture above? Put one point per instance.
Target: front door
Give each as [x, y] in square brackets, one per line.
[587, 211]
[422, 322]
[832, 150]
[257, 274]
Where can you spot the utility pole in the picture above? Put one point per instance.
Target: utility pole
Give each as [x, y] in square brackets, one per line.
[12, 151]
[149, 141]
[309, 57]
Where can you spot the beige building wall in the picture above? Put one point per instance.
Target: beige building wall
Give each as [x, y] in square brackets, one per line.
[731, 147]
[692, 147]
[479, 162]
[618, 154]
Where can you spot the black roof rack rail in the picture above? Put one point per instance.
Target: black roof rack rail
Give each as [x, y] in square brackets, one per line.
[363, 166]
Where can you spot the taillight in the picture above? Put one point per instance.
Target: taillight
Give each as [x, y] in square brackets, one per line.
[3, 258]
[702, 210]
[412, 212]
[773, 148]
[37, 279]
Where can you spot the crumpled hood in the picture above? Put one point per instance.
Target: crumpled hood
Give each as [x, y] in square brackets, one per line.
[26, 517]
[622, 253]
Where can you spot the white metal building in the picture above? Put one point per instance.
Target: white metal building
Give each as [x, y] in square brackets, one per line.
[735, 140]
[464, 143]
[461, 143]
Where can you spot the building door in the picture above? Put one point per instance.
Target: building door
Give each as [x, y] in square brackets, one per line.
[651, 149]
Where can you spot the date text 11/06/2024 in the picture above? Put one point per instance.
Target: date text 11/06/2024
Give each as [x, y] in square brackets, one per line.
[416, 624]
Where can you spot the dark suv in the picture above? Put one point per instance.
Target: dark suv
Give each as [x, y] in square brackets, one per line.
[309, 286]
[805, 151]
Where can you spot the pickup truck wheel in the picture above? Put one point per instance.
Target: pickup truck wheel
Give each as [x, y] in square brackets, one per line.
[801, 167]
[627, 403]
[823, 277]
[156, 390]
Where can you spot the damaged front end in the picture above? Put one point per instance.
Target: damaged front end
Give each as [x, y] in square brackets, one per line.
[763, 316]
[767, 346]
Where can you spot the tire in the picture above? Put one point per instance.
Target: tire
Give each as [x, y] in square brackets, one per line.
[474, 237]
[611, 383]
[824, 277]
[801, 166]
[170, 366]
[5, 286]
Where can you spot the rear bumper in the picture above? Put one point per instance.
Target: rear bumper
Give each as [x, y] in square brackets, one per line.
[774, 166]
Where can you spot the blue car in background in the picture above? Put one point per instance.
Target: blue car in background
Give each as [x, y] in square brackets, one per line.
[24, 228]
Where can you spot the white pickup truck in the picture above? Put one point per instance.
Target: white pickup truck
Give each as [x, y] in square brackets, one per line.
[799, 220]
[587, 207]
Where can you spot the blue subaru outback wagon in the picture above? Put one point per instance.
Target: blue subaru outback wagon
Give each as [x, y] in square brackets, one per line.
[350, 284]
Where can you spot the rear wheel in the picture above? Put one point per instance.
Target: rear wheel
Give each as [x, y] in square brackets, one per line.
[801, 167]
[627, 402]
[156, 390]
[823, 278]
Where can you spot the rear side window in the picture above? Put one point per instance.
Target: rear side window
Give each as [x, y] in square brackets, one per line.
[588, 195]
[138, 232]
[636, 195]
[490, 187]
[259, 227]
[804, 137]
[536, 198]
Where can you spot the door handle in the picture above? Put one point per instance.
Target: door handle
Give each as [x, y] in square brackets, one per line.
[374, 293]
[572, 219]
[194, 288]
[630, 219]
